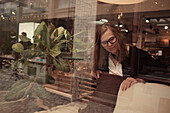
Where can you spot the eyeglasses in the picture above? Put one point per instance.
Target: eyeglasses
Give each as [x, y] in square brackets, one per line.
[112, 40]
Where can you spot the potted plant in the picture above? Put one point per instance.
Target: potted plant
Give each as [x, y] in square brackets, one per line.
[49, 42]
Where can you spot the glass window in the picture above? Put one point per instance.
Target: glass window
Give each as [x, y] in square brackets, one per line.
[145, 25]
[51, 59]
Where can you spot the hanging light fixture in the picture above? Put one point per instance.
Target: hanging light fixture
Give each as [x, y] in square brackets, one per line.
[122, 2]
[2, 15]
[13, 12]
[166, 27]
[147, 20]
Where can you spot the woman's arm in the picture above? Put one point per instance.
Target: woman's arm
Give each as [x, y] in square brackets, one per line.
[129, 81]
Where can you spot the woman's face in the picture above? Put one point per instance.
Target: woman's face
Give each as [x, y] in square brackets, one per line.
[109, 41]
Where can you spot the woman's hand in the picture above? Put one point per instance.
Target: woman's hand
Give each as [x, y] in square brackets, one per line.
[97, 74]
[128, 83]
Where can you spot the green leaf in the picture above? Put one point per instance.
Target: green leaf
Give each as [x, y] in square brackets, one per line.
[40, 28]
[55, 51]
[36, 39]
[60, 30]
[19, 82]
[52, 27]
[65, 45]
[65, 33]
[61, 64]
[44, 36]
[18, 47]
[69, 36]
[54, 34]
[70, 46]
[64, 42]
[41, 91]
[60, 33]
[29, 53]
[17, 92]
[78, 33]
[40, 34]
[15, 96]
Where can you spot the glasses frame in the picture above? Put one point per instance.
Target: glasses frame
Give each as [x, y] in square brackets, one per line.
[105, 43]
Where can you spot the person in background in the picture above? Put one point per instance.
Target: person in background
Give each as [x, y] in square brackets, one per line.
[25, 41]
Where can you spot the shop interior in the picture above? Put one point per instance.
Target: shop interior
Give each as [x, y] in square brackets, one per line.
[145, 25]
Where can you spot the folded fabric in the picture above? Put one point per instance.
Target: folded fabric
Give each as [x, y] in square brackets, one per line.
[144, 98]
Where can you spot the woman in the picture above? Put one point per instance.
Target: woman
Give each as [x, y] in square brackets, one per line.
[111, 53]
[111, 56]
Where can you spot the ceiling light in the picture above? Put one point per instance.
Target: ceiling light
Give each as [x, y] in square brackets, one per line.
[120, 25]
[125, 30]
[156, 3]
[2, 15]
[104, 20]
[123, 2]
[147, 20]
[166, 27]
[13, 12]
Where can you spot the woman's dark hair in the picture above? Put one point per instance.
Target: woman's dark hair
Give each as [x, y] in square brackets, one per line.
[100, 54]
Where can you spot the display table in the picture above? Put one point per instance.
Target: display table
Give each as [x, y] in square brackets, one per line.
[5, 57]
[35, 68]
